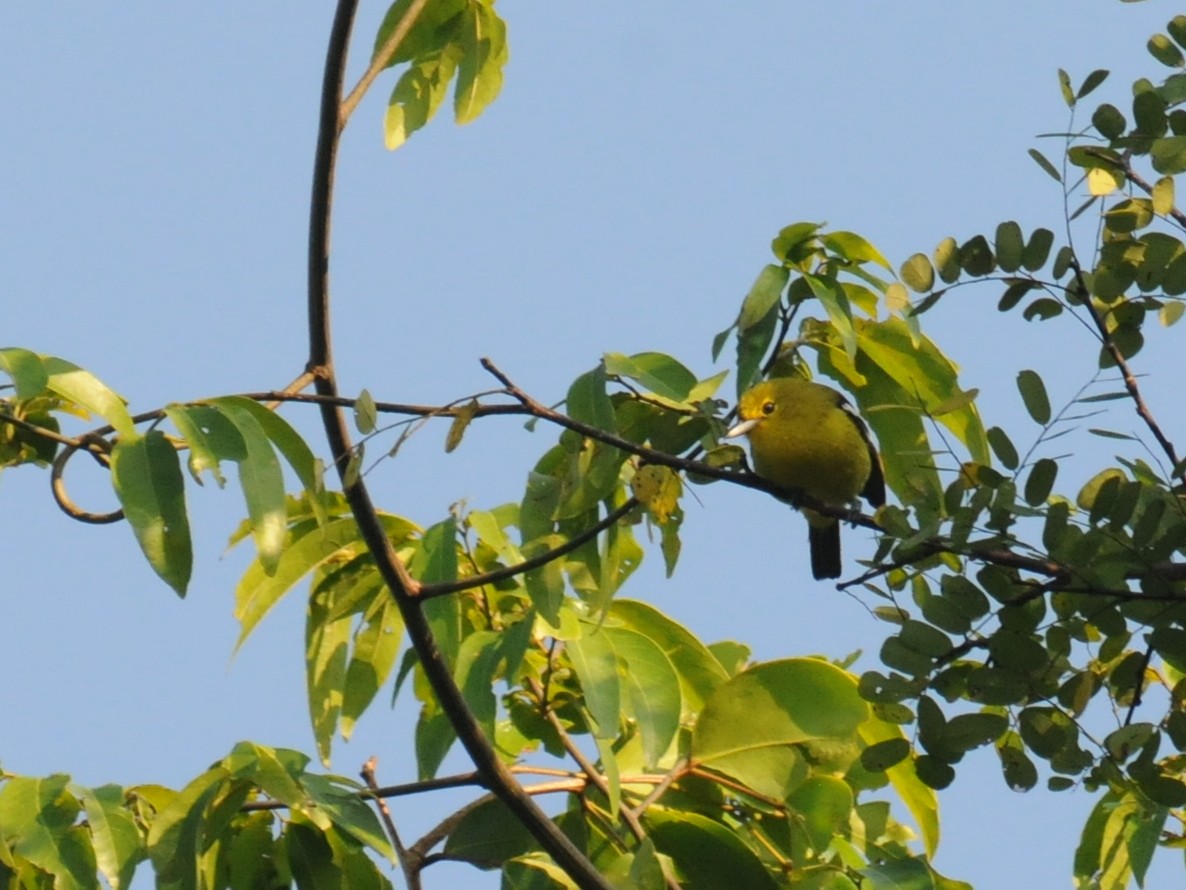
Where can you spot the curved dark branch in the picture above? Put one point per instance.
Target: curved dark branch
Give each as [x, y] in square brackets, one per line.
[404, 589]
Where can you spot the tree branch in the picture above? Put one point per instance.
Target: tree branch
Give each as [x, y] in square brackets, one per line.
[404, 589]
[1130, 380]
[380, 61]
[596, 778]
[428, 591]
[410, 868]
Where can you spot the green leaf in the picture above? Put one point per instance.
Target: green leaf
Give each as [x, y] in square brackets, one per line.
[488, 835]
[146, 473]
[1041, 161]
[211, 439]
[37, 821]
[175, 838]
[700, 673]
[429, 33]
[365, 414]
[854, 248]
[1002, 447]
[350, 813]
[275, 771]
[661, 374]
[310, 858]
[304, 550]
[483, 40]
[260, 478]
[1118, 841]
[1163, 50]
[588, 402]
[418, 94]
[1091, 81]
[435, 560]
[1033, 394]
[1109, 120]
[750, 726]
[115, 836]
[327, 638]
[882, 755]
[651, 690]
[84, 389]
[752, 344]
[976, 257]
[1064, 85]
[698, 846]
[376, 645]
[1040, 482]
[763, 296]
[1177, 29]
[918, 273]
[535, 871]
[1168, 155]
[796, 242]
[947, 260]
[27, 371]
[833, 299]
[823, 805]
[462, 418]
[1009, 242]
[595, 663]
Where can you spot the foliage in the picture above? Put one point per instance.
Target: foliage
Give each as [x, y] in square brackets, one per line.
[1034, 621]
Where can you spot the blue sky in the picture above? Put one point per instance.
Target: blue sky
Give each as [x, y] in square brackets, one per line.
[619, 196]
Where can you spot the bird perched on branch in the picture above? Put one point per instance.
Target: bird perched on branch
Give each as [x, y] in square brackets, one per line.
[806, 437]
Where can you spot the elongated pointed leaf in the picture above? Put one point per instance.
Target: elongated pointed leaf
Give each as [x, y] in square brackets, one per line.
[26, 370]
[483, 38]
[288, 442]
[376, 645]
[262, 483]
[596, 665]
[115, 836]
[418, 94]
[661, 374]
[348, 812]
[146, 473]
[258, 591]
[211, 439]
[651, 688]
[710, 851]
[84, 388]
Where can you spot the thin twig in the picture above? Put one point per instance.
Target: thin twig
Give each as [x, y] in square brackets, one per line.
[1139, 689]
[380, 61]
[650, 455]
[411, 869]
[428, 591]
[594, 776]
[1130, 380]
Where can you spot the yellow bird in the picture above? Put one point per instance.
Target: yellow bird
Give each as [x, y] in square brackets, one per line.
[807, 437]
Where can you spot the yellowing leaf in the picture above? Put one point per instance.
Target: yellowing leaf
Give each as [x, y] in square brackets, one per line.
[1101, 181]
[461, 420]
[658, 489]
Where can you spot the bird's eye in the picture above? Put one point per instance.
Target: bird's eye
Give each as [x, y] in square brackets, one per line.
[767, 408]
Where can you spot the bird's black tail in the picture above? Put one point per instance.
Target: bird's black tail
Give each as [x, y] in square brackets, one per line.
[825, 550]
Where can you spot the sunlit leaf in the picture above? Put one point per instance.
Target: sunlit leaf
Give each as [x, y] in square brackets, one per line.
[146, 473]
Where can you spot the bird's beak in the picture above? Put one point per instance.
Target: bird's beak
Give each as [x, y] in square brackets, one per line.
[742, 428]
